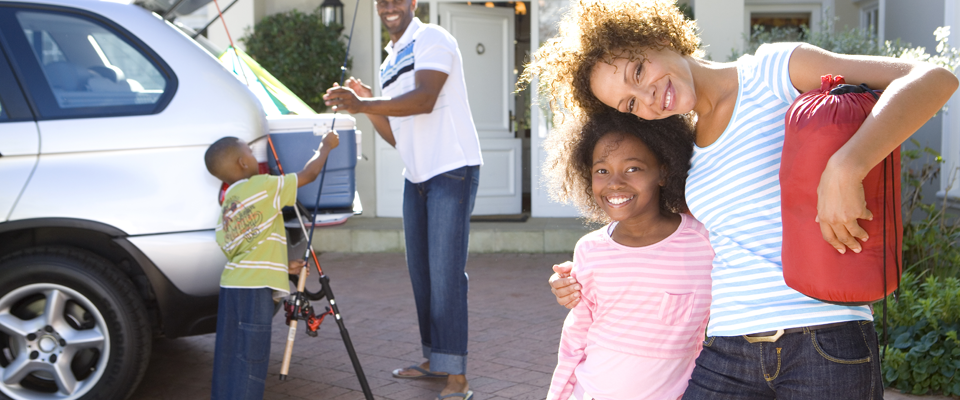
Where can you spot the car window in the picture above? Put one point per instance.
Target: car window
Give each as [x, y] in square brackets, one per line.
[88, 65]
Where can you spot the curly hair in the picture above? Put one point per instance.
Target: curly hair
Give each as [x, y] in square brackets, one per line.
[568, 168]
[602, 30]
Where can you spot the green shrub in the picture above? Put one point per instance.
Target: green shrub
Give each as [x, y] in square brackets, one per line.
[853, 41]
[930, 234]
[924, 354]
[300, 51]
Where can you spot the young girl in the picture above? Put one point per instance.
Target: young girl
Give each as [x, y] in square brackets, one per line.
[646, 275]
[766, 341]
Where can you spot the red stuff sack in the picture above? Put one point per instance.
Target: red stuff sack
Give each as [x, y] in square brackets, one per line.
[818, 123]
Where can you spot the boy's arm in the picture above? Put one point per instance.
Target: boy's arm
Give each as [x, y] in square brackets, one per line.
[315, 165]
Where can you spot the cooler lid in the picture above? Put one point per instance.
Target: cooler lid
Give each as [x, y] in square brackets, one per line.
[319, 123]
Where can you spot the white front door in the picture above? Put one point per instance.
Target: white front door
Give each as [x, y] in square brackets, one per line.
[485, 38]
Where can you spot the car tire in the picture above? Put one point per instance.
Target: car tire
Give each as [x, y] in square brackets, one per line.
[71, 327]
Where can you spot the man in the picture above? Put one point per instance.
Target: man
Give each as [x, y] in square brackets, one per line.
[424, 114]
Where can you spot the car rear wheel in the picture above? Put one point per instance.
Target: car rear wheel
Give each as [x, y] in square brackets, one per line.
[71, 327]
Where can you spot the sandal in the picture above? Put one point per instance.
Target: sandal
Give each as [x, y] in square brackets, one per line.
[423, 373]
[466, 396]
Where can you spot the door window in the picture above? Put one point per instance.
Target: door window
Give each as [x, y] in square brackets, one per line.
[89, 66]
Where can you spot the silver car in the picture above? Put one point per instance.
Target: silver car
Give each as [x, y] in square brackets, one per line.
[106, 209]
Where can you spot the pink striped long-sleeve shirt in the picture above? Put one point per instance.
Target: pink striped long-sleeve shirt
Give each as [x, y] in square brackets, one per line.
[650, 301]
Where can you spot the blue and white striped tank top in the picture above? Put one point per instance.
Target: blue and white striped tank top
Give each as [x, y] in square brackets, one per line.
[734, 189]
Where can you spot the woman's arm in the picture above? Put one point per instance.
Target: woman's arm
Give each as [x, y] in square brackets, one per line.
[913, 93]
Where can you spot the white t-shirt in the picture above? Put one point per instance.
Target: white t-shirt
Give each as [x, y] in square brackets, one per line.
[446, 138]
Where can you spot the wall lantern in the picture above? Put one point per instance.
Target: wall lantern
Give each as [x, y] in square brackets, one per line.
[331, 12]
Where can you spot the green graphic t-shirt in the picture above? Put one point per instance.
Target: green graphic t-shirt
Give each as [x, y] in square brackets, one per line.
[250, 232]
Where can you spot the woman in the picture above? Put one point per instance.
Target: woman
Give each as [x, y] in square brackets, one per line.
[765, 340]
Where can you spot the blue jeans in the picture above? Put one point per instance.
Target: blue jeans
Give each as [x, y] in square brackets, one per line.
[242, 351]
[838, 362]
[436, 226]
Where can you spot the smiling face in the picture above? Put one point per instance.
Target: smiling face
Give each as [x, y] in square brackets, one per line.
[656, 87]
[395, 15]
[626, 177]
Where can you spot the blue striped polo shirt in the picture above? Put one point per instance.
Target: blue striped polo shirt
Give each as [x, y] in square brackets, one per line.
[734, 189]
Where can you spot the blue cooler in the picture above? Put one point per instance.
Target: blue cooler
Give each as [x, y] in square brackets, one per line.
[296, 137]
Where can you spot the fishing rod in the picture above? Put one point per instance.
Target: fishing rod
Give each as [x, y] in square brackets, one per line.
[300, 308]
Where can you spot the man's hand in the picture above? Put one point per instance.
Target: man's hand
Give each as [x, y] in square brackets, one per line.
[343, 98]
[358, 87]
[564, 286]
[295, 267]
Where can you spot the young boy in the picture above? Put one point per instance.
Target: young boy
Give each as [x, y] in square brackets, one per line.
[251, 234]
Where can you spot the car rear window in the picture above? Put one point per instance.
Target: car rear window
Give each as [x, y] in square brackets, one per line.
[87, 65]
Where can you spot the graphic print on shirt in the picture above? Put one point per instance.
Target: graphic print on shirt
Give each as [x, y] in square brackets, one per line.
[241, 219]
[403, 63]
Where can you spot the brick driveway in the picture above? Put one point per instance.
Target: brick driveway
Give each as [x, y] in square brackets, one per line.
[514, 331]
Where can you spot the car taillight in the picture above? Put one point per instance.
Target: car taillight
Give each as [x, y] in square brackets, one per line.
[223, 191]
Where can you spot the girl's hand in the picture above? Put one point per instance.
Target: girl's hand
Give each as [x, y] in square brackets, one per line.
[840, 203]
[564, 286]
[295, 267]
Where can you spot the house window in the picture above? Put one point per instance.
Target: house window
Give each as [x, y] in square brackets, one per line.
[784, 18]
[791, 23]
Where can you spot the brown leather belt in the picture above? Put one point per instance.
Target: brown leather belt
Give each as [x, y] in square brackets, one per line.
[772, 336]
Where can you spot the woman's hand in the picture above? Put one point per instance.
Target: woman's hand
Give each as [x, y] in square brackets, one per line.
[840, 203]
[564, 286]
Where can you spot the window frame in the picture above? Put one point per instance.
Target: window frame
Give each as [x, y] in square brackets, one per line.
[11, 96]
[950, 140]
[38, 90]
[766, 7]
[868, 9]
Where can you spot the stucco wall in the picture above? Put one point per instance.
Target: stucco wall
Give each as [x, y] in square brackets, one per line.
[913, 22]
[721, 26]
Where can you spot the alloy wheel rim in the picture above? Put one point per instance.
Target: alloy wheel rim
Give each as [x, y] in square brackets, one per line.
[50, 347]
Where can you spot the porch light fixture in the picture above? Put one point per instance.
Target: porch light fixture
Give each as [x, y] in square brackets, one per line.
[331, 12]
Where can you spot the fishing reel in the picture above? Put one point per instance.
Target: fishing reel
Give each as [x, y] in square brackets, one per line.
[297, 307]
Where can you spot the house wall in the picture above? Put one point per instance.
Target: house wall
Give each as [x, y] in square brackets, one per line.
[913, 22]
[721, 27]
[847, 13]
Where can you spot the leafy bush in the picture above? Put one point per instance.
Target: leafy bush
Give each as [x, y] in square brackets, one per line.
[930, 241]
[300, 51]
[924, 356]
[853, 41]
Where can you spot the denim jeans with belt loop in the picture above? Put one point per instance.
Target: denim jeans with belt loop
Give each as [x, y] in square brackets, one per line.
[436, 226]
[242, 350]
[833, 363]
